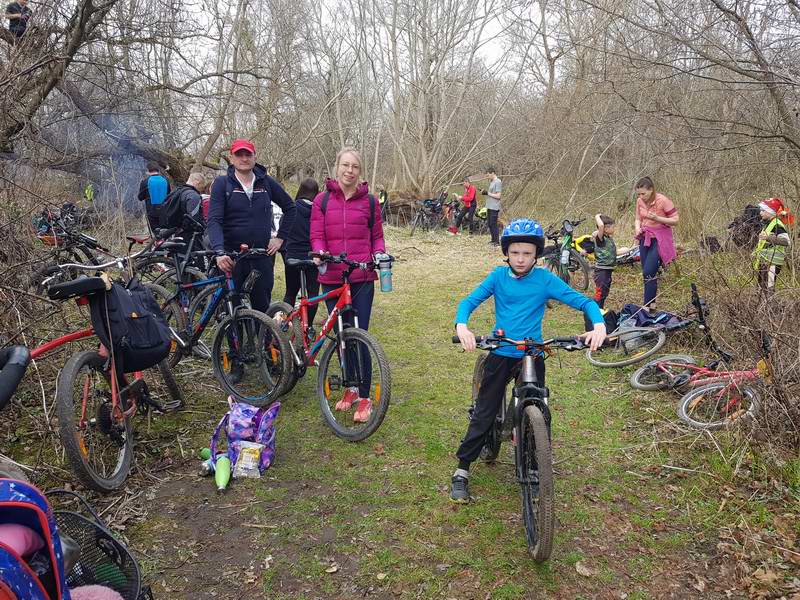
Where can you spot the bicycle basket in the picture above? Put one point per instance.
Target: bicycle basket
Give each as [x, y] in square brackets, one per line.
[103, 560]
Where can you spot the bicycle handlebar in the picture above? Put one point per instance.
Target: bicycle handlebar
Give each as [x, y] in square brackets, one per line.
[492, 342]
[342, 259]
[13, 364]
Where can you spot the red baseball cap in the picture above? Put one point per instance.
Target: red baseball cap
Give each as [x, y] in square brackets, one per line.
[242, 145]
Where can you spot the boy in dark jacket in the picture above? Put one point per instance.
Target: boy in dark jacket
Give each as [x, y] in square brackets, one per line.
[299, 245]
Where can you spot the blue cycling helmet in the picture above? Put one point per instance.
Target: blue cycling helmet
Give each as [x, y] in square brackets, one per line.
[523, 230]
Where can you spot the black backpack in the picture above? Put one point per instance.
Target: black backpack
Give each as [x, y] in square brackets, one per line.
[371, 222]
[128, 319]
[172, 209]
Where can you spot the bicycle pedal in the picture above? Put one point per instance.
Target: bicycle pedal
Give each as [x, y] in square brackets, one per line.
[133, 389]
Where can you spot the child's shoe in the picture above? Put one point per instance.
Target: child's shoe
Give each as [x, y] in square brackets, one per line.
[363, 411]
[350, 396]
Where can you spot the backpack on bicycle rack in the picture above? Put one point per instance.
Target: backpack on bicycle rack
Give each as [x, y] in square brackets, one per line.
[35, 572]
[247, 423]
[128, 319]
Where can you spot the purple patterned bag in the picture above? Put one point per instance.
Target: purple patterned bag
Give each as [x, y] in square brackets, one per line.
[246, 423]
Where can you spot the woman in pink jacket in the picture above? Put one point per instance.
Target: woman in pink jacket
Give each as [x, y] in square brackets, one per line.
[346, 226]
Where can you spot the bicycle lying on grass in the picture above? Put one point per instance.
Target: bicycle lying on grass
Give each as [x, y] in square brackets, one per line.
[526, 421]
[634, 344]
[350, 358]
[715, 395]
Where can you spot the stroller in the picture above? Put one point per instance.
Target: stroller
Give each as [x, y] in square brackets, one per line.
[55, 555]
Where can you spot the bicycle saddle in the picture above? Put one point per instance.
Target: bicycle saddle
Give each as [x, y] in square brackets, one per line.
[303, 264]
[81, 286]
[138, 239]
[163, 234]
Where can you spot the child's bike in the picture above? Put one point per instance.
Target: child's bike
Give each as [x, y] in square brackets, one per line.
[350, 358]
[526, 421]
[564, 260]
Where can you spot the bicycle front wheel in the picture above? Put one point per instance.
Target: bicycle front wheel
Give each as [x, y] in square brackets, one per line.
[718, 405]
[658, 374]
[579, 270]
[251, 357]
[97, 437]
[354, 364]
[293, 330]
[536, 481]
[628, 347]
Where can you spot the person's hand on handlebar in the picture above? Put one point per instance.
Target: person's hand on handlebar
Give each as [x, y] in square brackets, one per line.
[225, 263]
[466, 336]
[595, 338]
[317, 260]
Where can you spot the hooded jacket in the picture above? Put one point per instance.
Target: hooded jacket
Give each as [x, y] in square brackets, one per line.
[344, 228]
[235, 219]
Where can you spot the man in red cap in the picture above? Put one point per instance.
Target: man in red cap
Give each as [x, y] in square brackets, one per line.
[240, 212]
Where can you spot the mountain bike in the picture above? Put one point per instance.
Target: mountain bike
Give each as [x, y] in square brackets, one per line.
[630, 345]
[525, 420]
[249, 353]
[350, 358]
[564, 260]
[94, 403]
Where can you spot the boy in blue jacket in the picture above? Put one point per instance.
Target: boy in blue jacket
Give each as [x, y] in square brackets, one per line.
[520, 295]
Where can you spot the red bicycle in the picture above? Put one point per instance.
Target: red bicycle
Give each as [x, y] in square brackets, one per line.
[94, 404]
[716, 397]
[352, 361]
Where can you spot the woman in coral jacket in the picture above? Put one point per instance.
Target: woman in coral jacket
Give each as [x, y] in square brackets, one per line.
[345, 218]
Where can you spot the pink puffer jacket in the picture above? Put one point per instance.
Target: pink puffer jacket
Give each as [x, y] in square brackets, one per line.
[345, 228]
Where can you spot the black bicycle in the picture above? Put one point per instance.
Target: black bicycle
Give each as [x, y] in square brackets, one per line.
[525, 420]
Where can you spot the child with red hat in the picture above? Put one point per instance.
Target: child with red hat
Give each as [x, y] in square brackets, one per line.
[770, 253]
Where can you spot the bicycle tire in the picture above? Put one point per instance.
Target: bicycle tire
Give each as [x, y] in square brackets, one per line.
[197, 306]
[644, 334]
[361, 431]
[641, 378]
[689, 402]
[538, 505]
[175, 391]
[276, 337]
[190, 275]
[175, 317]
[580, 271]
[290, 329]
[75, 447]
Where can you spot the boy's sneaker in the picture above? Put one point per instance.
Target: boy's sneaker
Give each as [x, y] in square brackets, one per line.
[452, 231]
[350, 396]
[459, 489]
[363, 411]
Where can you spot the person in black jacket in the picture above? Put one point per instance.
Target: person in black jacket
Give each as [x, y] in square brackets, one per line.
[299, 245]
[240, 212]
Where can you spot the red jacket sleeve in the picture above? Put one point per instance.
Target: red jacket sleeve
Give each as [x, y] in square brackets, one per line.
[469, 195]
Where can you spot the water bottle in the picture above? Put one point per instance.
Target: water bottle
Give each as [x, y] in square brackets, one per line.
[565, 256]
[385, 271]
[222, 474]
[207, 468]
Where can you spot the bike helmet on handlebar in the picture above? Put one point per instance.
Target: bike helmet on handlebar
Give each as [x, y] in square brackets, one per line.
[528, 231]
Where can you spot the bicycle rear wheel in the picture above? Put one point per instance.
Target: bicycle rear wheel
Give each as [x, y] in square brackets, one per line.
[292, 329]
[535, 465]
[98, 442]
[718, 405]
[659, 373]
[365, 368]
[628, 347]
[251, 357]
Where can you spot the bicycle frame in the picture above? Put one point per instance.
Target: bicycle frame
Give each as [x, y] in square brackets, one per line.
[703, 375]
[343, 303]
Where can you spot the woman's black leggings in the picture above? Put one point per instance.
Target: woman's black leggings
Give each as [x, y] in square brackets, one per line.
[293, 288]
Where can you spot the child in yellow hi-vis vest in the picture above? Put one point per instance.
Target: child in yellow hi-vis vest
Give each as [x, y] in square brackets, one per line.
[773, 241]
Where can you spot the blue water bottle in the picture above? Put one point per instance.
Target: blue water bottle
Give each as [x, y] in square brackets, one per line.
[385, 271]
